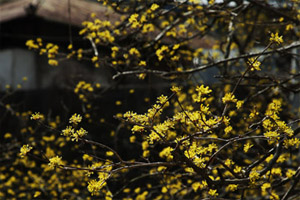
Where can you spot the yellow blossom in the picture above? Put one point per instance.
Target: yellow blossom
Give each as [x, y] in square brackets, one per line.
[75, 119]
[247, 146]
[94, 186]
[78, 134]
[213, 193]
[94, 59]
[290, 173]
[36, 116]
[134, 51]
[229, 162]
[24, 150]
[160, 52]
[231, 187]
[264, 188]
[203, 90]
[137, 128]
[275, 38]
[291, 142]
[237, 169]
[154, 7]
[142, 63]
[229, 97]
[109, 153]
[36, 194]
[254, 64]
[31, 44]
[133, 20]
[272, 135]
[68, 131]
[254, 175]
[52, 62]
[239, 104]
[175, 89]
[166, 153]
[228, 129]
[55, 162]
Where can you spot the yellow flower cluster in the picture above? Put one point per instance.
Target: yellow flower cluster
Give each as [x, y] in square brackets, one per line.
[75, 119]
[37, 116]
[229, 97]
[55, 162]
[98, 31]
[254, 64]
[24, 150]
[50, 48]
[202, 92]
[160, 52]
[166, 153]
[134, 52]
[275, 38]
[133, 20]
[254, 176]
[199, 185]
[70, 131]
[82, 89]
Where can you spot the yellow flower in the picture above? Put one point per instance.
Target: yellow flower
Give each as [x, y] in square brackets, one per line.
[228, 129]
[55, 162]
[94, 59]
[137, 128]
[159, 52]
[133, 20]
[229, 162]
[31, 44]
[109, 153]
[81, 132]
[52, 62]
[291, 142]
[275, 38]
[134, 51]
[36, 194]
[239, 104]
[254, 64]
[94, 186]
[229, 97]
[247, 146]
[272, 135]
[7, 135]
[254, 175]
[142, 63]
[162, 100]
[167, 153]
[264, 188]
[36, 116]
[87, 157]
[154, 7]
[175, 89]
[75, 119]
[148, 28]
[231, 187]
[24, 150]
[290, 173]
[203, 90]
[237, 169]
[68, 131]
[213, 193]
[274, 196]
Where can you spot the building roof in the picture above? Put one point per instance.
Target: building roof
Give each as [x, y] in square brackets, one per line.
[55, 10]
